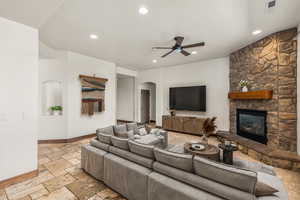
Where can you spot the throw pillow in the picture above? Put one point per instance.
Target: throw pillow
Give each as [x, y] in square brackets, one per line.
[142, 131]
[154, 131]
[130, 134]
[133, 127]
[120, 131]
[262, 189]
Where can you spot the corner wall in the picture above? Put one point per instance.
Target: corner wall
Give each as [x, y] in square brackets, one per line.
[66, 69]
[270, 64]
[212, 73]
[19, 99]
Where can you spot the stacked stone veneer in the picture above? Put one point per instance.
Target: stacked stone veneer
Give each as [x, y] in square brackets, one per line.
[270, 63]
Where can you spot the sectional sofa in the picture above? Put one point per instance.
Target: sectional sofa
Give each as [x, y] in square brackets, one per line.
[145, 172]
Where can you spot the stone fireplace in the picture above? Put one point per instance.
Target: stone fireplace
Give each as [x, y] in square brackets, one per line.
[268, 64]
[252, 124]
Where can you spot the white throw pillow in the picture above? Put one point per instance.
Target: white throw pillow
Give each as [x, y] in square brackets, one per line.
[154, 131]
[143, 131]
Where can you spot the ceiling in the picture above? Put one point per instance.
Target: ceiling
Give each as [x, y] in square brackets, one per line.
[127, 38]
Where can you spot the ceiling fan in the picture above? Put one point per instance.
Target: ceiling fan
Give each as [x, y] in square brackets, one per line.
[179, 48]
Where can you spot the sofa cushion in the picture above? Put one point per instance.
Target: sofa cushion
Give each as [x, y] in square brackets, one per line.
[180, 161]
[161, 187]
[241, 179]
[133, 127]
[121, 143]
[103, 137]
[141, 149]
[108, 130]
[146, 162]
[92, 161]
[99, 145]
[202, 183]
[127, 178]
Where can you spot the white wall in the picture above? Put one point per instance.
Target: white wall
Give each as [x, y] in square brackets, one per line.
[298, 91]
[19, 99]
[66, 69]
[125, 98]
[53, 127]
[127, 72]
[212, 73]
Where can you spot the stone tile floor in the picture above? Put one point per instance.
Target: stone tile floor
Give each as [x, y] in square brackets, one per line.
[61, 178]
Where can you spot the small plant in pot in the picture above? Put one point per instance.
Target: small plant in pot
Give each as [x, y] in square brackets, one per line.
[244, 85]
[209, 128]
[56, 110]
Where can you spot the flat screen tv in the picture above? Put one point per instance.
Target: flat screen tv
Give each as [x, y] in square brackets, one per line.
[188, 98]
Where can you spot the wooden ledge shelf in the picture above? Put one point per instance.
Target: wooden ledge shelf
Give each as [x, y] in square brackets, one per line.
[259, 94]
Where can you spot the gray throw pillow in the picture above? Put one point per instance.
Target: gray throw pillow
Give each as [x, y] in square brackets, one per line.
[130, 134]
[121, 143]
[133, 127]
[262, 189]
[141, 149]
[102, 137]
[108, 130]
[120, 129]
[180, 161]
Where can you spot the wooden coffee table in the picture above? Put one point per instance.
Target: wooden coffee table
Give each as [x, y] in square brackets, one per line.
[211, 152]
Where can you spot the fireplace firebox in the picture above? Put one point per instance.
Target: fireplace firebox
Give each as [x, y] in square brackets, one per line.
[252, 124]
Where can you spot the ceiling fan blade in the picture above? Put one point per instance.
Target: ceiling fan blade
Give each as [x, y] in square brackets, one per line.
[179, 40]
[194, 45]
[162, 48]
[185, 53]
[167, 54]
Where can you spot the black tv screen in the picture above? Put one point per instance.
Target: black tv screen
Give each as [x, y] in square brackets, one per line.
[188, 98]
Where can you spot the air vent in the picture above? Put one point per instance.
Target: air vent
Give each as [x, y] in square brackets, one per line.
[271, 4]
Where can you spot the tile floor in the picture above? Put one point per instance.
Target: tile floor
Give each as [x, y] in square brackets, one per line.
[61, 178]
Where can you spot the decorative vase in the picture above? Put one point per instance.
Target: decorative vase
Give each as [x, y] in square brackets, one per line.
[245, 89]
[204, 140]
[56, 112]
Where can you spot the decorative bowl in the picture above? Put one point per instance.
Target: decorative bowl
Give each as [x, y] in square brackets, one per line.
[198, 147]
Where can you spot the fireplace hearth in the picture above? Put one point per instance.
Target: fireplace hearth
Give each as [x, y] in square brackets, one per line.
[251, 124]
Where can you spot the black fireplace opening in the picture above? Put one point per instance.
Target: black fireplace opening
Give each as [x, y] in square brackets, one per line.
[252, 124]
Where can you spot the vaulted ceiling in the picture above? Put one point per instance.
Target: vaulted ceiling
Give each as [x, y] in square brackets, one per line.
[127, 38]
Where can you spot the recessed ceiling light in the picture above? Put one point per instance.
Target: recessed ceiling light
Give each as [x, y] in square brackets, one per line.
[256, 32]
[94, 37]
[194, 52]
[154, 61]
[143, 10]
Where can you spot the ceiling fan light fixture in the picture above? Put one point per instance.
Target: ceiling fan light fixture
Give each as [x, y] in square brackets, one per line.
[154, 61]
[194, 52]
[143, 10]
[178, 50]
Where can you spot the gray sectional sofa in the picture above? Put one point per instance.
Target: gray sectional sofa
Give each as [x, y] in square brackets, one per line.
[145, 172]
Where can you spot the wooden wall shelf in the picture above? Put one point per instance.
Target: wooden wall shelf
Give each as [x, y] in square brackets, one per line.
[259, 94]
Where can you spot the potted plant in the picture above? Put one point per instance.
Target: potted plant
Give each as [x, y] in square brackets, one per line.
[56, 110]
[244, 85]
[209, 127]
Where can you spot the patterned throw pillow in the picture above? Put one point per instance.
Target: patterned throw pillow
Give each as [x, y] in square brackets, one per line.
[142, 131]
